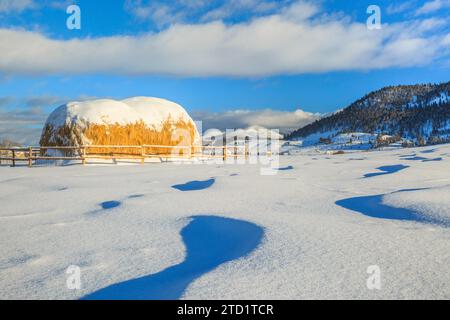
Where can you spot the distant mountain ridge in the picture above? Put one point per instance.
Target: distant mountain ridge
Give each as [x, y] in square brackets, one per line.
[420, 113]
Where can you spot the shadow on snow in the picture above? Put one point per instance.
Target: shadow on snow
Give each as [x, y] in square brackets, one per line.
[434, 159]
[386, 170]
[374, 207]
[285, 168]
[195, 185]
[210, 241]
[110, 204]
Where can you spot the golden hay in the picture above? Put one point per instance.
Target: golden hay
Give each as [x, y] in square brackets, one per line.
[179, 133]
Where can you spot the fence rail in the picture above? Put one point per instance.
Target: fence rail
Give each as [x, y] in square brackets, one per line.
[111, 152]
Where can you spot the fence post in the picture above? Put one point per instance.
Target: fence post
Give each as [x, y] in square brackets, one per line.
[213, 150]
[246, 147]
[83, 155]
[235, 147]
[257, 143]
[224, 147]
[30, 154]
[13, 157]
[142, 155]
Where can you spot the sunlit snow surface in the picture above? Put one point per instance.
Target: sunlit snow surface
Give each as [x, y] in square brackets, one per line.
[120, 224]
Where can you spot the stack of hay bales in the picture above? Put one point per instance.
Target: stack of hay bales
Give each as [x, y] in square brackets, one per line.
[130, 122]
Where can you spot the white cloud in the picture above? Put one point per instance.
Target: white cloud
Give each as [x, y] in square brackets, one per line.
[446, 40]
[7, 6]
[163, 14]
[58, 4]
[160, 14]
[5, 101]
[22, 125]
[18, 6]
[433, 6]
[267, 118]
[22, 119]
[399, 7]
[300, 11]
[232, 7]
[281, 43]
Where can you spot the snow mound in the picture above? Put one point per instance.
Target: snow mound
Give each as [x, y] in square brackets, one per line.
[433, 202]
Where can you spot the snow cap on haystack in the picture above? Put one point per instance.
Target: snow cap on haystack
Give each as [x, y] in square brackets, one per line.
[133, 121]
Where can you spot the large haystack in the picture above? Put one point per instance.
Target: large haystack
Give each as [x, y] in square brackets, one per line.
[131, 122]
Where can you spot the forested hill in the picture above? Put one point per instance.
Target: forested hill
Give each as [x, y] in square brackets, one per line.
[417, 112]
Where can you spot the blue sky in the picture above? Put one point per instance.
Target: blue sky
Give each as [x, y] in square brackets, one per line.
[214, 57]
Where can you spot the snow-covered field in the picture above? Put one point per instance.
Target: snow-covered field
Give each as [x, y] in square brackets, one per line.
[325, 220]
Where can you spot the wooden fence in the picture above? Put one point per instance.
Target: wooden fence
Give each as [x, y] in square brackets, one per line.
[139, 153]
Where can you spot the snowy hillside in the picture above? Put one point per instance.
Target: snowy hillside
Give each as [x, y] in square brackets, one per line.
[420, 113]
[348, 142]
[311, 230]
